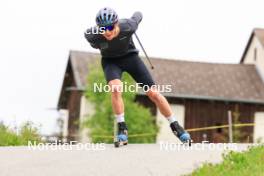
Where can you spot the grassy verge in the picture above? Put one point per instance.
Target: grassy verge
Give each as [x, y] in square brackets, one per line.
[246, 163]
[26, 132]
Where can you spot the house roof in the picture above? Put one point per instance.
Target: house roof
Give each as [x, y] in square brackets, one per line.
[228, 82]
[259, 33]
[80, 62]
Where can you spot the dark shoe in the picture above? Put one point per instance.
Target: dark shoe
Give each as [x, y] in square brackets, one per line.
[180, 132]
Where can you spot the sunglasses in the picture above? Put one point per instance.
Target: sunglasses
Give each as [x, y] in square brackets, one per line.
[109, 28]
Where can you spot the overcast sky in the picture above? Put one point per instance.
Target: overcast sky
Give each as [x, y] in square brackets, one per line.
[36, 36]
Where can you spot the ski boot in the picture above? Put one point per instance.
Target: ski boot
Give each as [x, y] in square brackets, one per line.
[181, 133]
[122, 135]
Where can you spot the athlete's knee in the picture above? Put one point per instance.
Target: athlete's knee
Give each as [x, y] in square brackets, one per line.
[115, 87]
[153, 95]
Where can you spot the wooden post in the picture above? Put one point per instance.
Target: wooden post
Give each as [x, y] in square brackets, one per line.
[230, 131]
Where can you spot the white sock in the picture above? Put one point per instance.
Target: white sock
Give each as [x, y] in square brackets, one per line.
[120, 117]
[171, 119]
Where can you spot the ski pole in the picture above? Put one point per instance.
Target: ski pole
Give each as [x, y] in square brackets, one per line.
[152, 67]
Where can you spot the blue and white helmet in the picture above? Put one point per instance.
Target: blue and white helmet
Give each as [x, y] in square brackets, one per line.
[106, 16]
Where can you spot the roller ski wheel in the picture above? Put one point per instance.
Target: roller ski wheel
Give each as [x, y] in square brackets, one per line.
[120, 143]
[178, 131]
[116, 143]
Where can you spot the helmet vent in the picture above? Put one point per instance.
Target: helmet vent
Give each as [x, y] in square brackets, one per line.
[106, 16]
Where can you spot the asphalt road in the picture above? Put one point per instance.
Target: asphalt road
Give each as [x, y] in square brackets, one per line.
[104, 159]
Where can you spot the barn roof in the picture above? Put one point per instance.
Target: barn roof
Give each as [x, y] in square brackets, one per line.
[228, 82]
[259, 33]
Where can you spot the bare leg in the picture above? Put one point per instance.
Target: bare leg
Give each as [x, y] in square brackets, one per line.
[160, 101]
[118, 108]
[165, 109]
[116, 96]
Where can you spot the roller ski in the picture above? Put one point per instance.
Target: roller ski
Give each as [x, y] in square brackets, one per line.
[178, 131]
[121, 134]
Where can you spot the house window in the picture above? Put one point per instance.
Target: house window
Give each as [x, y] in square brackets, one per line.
[255, 54]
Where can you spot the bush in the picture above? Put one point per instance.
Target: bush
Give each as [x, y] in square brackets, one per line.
[26, 133]
[246, 163]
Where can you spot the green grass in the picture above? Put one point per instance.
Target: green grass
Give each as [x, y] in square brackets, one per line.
[26, 132]
[248, 163]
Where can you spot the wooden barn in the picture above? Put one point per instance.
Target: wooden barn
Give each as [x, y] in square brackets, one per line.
[202, 93]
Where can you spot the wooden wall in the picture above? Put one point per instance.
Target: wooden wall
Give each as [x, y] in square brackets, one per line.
[70, 100]
[203, 113]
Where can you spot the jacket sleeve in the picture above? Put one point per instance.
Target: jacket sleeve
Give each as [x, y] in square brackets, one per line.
[135, 20]
[90, 38]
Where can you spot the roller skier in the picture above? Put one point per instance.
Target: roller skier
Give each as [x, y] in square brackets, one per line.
[119, 54]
